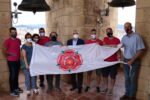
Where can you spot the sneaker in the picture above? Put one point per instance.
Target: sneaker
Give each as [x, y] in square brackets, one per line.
[15, 93]
[104, 90]
[110, 92]
[124, 97]
[35, 91]
[28, 93]
[87, 88]
[73, 88]
[97, 89]
[19, 90]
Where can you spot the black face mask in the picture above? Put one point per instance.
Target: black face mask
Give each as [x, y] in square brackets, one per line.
[127, 30]
[13, 35]
[109, 34]
[54, 38]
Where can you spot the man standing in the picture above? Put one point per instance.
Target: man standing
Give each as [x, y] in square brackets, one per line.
[111, 71]
[76, 79]
[54, 41]
[43, 39]
[12, 52]
[133, 48]
[93, 39]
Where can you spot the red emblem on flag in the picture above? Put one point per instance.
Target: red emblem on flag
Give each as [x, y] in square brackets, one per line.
[69, 60]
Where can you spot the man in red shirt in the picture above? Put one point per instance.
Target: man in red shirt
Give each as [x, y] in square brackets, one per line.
[12, 52]
[93, 39]
[111, 71]
[42, 41]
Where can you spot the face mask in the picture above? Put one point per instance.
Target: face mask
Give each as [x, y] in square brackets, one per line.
[35, 40]
[42, 34]
[93, 36]
[127, 30]
[54, 38]
[75, 36]
[29, 40]
[13, 35]
[109, 34]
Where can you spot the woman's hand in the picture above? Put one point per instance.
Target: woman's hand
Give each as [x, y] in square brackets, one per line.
[27, 66]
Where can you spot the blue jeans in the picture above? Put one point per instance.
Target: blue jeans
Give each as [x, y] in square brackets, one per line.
[131, 78]
[30, 82]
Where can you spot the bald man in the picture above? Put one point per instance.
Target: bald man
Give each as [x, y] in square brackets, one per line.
[133, 48]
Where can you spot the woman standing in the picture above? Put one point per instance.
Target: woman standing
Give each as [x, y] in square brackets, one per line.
[30, 82]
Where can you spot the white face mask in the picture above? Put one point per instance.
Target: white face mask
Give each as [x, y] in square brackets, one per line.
[75, 36]
[29, 40]
[42, 34]
[36, 40]
[93, 36]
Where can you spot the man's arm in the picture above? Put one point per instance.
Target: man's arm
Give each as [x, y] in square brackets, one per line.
[68, 42]
[140, 48]
[82, 41]
[138, 54]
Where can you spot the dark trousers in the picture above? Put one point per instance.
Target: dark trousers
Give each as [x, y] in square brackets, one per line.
[50, 81]
[41, 79]
[13, 74]
[77, 80]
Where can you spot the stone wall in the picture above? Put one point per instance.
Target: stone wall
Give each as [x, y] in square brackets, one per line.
[143, 27]
[81, 15]
[67, 15]
[5, 23]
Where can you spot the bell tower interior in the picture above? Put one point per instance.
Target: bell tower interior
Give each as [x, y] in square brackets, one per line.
[83, 15]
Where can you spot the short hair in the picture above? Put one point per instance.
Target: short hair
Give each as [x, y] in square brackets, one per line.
[34, 35]
[27, 35]
[128, 24]
[41, 29]
[109, 29]
[12, 28]
[53, 32]
[93, 30]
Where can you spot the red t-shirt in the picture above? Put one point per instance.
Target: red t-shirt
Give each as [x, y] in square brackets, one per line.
[43, 40]
[12, 49]
[113, 41]
[94, 41]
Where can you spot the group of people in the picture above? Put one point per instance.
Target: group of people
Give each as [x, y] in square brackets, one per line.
[133, 48]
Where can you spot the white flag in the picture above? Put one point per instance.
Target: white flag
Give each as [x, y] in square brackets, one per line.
[70, 59]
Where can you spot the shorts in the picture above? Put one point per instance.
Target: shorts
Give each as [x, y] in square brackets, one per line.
[110, 71]
[98, 71]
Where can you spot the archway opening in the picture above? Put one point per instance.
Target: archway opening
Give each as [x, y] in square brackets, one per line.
[127, 14]
[27, 21]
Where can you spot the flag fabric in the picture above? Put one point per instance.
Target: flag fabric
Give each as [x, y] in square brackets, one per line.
[70, 59]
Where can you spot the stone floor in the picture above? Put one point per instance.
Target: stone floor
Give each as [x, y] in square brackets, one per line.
[68, 95]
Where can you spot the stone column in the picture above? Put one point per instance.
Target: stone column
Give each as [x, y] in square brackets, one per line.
[5, 23]
[68, 15]
[143, 27]
[81, 15]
